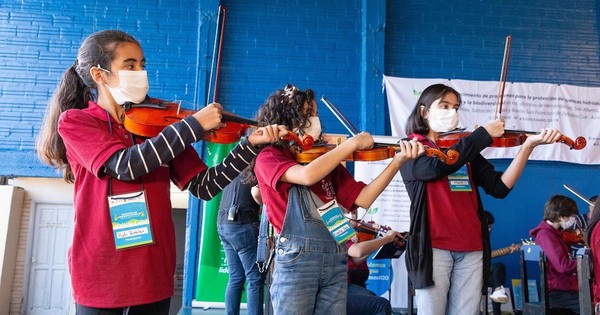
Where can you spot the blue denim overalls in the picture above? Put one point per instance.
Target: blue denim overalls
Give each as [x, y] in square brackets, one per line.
[310, 275]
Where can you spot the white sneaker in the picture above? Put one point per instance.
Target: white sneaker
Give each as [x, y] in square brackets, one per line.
[499, 295]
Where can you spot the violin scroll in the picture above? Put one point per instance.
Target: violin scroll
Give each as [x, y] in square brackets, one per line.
[305, 144]
[577, 144]
[449, 158]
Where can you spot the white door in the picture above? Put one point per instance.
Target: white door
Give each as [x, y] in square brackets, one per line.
[49, 288]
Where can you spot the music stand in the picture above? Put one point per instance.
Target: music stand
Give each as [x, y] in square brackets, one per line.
[389, 250]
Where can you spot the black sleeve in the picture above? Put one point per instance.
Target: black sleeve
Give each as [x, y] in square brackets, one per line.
[143, 158]
[429, 168]
[209, 183]
[488, 178]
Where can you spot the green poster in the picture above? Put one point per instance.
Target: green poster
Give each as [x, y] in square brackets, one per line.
[212, 265]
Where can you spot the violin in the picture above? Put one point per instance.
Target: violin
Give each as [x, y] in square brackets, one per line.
[377, 153]
[148, 119]
[511, 138]
[382, 151]
[573, 237]
[370, 230]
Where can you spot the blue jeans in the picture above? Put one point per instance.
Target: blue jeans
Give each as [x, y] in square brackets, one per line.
[310, 274]
[309, 278]
[363, 301]
[458, 278]
[239, 243]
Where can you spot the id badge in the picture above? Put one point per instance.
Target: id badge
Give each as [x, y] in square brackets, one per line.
[130, 220]
[336, 222]
[459, 181]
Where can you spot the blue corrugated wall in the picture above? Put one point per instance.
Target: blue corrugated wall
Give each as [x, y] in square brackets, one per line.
[314, 44]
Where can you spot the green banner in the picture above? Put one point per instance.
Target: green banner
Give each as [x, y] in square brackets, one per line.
[212, 264]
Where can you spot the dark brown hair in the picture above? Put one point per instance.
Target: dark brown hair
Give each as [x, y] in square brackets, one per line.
[75, 89]
[559, 206]
[415, 122]
[283, 107]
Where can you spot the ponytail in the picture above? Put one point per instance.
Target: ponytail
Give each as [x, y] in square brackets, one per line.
[70, 93]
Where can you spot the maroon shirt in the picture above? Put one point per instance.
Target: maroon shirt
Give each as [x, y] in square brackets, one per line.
[272, 163]
[561, 268]
[102, 276]
[453, 220]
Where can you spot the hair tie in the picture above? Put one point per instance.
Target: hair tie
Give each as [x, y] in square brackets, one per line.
[289, 91]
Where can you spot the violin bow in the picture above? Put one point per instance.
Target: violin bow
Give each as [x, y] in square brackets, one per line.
[578, 195]
[219, 31]
[338, 114]
[503, 74]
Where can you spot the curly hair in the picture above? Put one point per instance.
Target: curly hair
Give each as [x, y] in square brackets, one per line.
[284, 107]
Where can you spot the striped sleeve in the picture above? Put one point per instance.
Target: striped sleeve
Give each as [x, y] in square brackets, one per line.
[141, 159]
[209, 183]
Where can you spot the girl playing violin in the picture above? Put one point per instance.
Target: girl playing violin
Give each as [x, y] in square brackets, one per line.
[361, 300]
[120, 178]
[448, 244]
[561, 267]
[310, 264]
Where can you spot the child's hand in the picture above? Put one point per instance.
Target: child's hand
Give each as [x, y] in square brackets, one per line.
[546, 136]
[495, 128]
[363, 141]
[409, 150]
[209, 117]
[267, 134]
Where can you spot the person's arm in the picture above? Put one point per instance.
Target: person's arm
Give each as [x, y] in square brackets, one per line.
[141, 159]
[210, 182]
[515, 169]
[556, 252]
[408, 150]
[359, 252]
[256, 195]
[316, 170]
[426, 168]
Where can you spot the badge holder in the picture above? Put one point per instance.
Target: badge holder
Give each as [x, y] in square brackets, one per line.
[130, 219]
[336, 222]
[459, 181]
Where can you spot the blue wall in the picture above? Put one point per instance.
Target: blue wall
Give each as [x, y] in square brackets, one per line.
[314, 44]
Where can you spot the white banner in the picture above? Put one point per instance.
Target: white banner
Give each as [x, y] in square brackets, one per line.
[391, 208]
[573, 110]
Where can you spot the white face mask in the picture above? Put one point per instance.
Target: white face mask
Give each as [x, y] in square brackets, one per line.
[568, 224]
[315, 127]
[314, 130]
[133, 86]
[442, 120]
